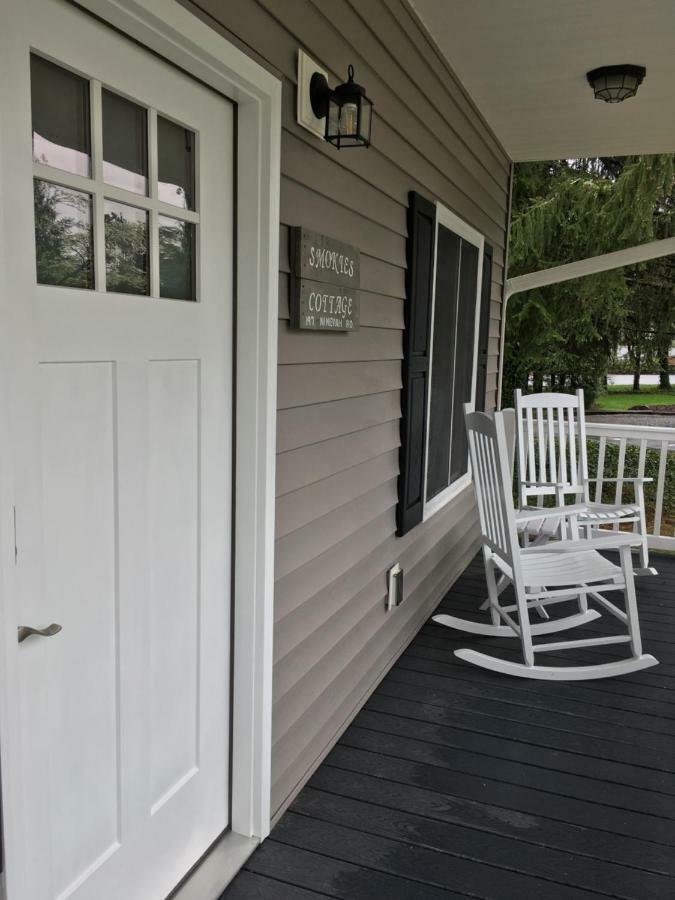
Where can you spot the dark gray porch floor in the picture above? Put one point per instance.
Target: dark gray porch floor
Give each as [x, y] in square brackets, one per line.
[454, 781]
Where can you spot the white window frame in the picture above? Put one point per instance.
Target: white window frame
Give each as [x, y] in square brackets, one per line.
[177, 35]
[450, 220]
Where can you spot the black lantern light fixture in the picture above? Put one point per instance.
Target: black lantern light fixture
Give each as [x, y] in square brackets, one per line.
[347, 110]
[616, 83]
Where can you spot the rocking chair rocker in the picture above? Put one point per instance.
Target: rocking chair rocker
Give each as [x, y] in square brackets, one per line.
[569, 569]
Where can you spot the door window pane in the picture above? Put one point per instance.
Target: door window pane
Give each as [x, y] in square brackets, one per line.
[126, 249]
[63, 236]
[60, 109]
[176, 259]
[125, 143]
[176, 164]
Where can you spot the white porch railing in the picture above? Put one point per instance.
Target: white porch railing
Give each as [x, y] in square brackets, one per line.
[618, 450]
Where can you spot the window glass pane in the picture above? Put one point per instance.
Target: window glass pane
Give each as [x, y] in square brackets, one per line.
[466, 331]
[60, 109]
[443, 360]
[176, 164]
[125, 143]
[176, 259]
[126, 249]
[63, 236]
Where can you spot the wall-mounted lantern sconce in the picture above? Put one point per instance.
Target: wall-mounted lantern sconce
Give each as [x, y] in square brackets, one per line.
[347, 110]
[616, 83]
[342, 116]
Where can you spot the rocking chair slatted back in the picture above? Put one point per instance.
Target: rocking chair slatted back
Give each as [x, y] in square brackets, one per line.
[552, 458]
[492, 474]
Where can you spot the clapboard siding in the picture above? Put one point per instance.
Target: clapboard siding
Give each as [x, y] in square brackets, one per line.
[326, 719]
[305, 384]
[300, 426]
[306, 465]
[334, 602]
[358, 346]
[339, 394]
[324, 32]
[314, 210]
[303, 585]
[384, 172]
[302, 676]
[473, 128]
[309, 504]
[304, 544]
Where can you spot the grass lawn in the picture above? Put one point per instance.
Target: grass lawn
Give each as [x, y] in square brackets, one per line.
[620, 397]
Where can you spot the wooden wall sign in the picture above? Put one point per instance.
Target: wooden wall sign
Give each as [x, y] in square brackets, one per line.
[325, 280]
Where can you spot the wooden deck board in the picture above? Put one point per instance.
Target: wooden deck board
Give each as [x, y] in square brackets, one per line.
[458, 782]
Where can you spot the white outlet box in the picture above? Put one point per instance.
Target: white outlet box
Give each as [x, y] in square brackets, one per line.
[305, 115]
[394, 587]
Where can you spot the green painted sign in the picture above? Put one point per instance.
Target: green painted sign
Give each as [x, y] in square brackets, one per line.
[325, 279]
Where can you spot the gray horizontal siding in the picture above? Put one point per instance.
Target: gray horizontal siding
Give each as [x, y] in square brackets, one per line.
[339, 394]
[299, 426]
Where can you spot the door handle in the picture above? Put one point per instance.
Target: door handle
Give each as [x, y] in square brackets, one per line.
[26, 631]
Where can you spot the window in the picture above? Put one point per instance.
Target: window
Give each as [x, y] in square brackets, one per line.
[114, 196]
[446, 316]
[454, 333]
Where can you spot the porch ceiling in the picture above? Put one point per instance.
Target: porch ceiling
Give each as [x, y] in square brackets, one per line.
[524, 64]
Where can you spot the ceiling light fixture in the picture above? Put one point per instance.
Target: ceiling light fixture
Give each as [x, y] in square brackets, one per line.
[616, 83]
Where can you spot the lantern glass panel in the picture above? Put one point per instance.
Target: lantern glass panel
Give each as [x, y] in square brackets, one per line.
[366, 119]
[349, 120]
[333, 126]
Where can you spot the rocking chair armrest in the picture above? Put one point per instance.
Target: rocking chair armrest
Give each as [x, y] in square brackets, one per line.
[546, 512]
[622, 480]
[613, 541]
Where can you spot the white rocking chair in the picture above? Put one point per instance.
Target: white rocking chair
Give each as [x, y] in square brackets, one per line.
[553, 461]
[570, 569]
[535, 526]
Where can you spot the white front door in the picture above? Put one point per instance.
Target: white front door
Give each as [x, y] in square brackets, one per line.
[116, 190]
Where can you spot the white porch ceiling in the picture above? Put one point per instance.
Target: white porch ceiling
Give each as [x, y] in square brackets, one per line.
[524, 63]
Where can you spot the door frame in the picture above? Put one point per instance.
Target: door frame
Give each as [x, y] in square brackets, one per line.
[179, 36]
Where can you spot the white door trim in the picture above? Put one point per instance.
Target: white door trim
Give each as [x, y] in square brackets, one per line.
[181, 38]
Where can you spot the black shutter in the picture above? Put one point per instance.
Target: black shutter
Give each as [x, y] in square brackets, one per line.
[416, 343]
[484, 330]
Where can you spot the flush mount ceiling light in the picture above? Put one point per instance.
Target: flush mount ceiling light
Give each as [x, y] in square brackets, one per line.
[616, 83]
[347, 111]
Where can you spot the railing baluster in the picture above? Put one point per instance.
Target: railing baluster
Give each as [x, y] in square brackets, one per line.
[620, 466]
[642, 458]
[660, 487]
[601, 468]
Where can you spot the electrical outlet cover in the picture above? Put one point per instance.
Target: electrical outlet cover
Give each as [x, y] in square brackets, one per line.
[306, 68]
[394, 587]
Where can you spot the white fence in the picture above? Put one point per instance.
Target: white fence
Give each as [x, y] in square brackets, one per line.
[642, 451]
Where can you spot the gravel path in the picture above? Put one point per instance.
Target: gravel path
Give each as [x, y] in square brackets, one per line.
[638, 418]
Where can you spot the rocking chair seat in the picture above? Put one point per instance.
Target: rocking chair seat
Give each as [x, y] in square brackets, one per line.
[563, 569]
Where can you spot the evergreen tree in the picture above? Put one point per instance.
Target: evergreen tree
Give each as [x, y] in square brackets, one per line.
[564, 211]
